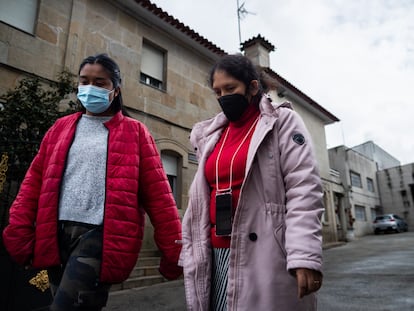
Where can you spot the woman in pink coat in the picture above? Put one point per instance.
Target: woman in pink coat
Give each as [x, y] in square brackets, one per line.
[252, 231]
[80, 209]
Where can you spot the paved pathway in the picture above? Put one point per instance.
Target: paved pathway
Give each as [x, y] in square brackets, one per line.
[373, 273]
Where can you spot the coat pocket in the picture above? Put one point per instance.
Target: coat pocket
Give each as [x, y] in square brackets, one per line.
[278, 212]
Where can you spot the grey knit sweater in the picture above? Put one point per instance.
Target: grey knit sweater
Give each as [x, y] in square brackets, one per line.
[82, 194]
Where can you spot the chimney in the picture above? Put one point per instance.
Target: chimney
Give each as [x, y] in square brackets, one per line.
[257, 49]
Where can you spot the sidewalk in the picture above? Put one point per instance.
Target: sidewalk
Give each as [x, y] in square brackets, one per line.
[333, 244]
[168, 296]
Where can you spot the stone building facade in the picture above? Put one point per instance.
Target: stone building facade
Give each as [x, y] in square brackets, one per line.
[164, 66]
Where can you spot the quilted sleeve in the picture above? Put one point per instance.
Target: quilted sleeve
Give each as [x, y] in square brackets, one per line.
[156, 198]
[304, 204]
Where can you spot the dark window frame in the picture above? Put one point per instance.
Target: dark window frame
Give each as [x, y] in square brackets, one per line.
[358, 208]
[370, 184]
[147, 79]
[356, 180]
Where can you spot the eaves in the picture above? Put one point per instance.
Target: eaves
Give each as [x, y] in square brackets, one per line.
[148, 13]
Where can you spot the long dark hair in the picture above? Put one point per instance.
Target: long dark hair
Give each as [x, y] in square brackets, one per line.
[241, 68]
[112, 69]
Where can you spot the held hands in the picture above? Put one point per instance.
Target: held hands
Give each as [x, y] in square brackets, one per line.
[309, 281]
[169, 269]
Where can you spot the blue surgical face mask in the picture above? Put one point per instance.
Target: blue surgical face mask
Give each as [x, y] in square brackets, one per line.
[94, 99]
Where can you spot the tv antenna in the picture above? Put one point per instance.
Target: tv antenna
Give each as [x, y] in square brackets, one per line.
[241, 13]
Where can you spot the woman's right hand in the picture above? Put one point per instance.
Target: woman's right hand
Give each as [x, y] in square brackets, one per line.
[309, 281]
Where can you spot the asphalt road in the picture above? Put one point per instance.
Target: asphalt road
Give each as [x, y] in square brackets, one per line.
[375, 272]
[168, 296]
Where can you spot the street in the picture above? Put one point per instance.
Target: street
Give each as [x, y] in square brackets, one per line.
[374, 272]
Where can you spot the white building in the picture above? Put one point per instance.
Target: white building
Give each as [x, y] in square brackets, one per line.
[380, 156]
[361, 196]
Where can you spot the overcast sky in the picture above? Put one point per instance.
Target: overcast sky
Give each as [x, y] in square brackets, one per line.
[354, 58]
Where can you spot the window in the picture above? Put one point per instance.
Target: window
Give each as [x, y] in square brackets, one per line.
[19, 13]
[397, 217]
[170, 164]
[356, 180]
[360, 213]
[370, 185]
[406, 201]
[152, 66]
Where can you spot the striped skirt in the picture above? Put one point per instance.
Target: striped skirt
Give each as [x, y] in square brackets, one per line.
[219, 279]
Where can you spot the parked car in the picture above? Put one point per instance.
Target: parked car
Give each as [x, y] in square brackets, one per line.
[389, 223]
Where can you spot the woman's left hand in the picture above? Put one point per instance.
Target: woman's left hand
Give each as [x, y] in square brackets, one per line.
[309, 281]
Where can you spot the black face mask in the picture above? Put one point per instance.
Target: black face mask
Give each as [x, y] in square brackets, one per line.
[233, 106]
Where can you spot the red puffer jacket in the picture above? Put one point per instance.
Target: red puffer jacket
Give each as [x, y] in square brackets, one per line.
[136, 183]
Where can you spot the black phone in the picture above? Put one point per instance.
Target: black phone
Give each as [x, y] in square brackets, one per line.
[223, 214]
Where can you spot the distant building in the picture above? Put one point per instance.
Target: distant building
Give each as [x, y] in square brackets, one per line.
[376, 153]
[396, 186]
[361, 197]
[375, 183]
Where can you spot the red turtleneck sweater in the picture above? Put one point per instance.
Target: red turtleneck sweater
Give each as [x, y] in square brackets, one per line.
[237, 131]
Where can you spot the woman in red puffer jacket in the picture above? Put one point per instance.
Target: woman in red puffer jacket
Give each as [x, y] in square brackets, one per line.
[80, 209]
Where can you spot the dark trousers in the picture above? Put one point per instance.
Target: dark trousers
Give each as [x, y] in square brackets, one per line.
[75, 285]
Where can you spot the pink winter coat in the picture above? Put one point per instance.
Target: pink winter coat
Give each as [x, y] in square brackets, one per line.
[276, 227]
[135, 184]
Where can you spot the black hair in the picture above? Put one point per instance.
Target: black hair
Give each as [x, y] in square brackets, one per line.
[242, 68]
[112, 69]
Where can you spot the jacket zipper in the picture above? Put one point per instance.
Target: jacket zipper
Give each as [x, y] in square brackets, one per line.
[104, 205]
[61, 178]
[236, 257]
